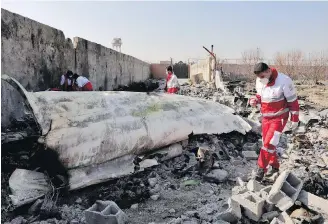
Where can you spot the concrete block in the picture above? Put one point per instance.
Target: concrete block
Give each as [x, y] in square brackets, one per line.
[252, 204]
[251, 146]
[265, 192]
[250, 155]
[240, 181]
[231, 211]
[283, 218]
[238, 190]
[105, 212]
[285, 190]
[313, 202]
[254, 186]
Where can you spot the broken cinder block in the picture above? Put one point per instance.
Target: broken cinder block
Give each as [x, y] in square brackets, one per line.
[250, 155]
[105, 212]
[264, 192]
[285, 190]
[283, 218]
[238, 190]
[254, 186]
[252, 204]
[313, 202]
[231, 213]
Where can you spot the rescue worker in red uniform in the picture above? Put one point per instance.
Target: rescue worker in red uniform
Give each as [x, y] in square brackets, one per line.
[82, 83]
[172, 84]
[277, 97]
[66, 81]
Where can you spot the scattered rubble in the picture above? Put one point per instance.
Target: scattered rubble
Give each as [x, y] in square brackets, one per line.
[182, 184]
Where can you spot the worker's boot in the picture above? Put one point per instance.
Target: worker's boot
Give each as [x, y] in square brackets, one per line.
[259, 174]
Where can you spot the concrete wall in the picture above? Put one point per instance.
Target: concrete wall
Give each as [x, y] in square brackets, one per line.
[37, 55]
[201, 69]
[158, 71]
[34, 54]
[106, 67]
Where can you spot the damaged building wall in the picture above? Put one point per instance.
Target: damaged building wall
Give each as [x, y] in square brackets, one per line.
[200, 71]
[37, 55]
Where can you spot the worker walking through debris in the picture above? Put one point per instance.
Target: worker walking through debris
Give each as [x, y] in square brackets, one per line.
[172, 83]
[82, 83]
[66, 81]
[277, 96]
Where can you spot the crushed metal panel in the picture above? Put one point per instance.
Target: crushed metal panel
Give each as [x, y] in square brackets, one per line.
[26, 186]
[94, 127]
[90, 128]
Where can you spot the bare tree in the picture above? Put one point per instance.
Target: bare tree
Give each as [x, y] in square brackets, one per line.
[290, 62]
[250, 58]
[318, 66]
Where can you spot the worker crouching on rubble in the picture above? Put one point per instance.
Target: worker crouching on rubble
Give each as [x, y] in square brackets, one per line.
[82, 83]
[277, 96]
[66, 81]
[172, 84]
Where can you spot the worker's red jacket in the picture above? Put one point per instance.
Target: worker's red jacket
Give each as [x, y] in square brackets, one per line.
[278, 97]
[172, 83]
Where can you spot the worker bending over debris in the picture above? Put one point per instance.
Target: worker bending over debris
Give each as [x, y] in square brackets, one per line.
[66, 81]
[82, 83]
[277, 97]
[172, 84]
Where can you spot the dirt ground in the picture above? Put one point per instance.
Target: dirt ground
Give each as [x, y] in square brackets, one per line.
[317, 94]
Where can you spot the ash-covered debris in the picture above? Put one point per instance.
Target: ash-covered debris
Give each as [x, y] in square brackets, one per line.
[146, 86]
[19, 129]
[234, 97]
[180, 174]
[204, 180]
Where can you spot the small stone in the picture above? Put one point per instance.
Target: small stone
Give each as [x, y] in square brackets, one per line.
[154, 197]
[134, 206]
[190, 214]
[250, 155]
[217, 176]
[24, 157]
[176, 221]
[74, 221]
[238, 190]
[250, 146]
[171, 211]
[18, 220]
[298, 203]
[183, 217]
[299, 213]
[236, 162]
[152, 181]
[155, 190]
[78, 201]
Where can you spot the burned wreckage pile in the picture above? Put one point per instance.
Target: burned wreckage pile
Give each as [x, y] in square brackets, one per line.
[196, 176]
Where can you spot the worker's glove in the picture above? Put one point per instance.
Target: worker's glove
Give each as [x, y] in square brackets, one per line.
[253, 101]
[294, 126]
